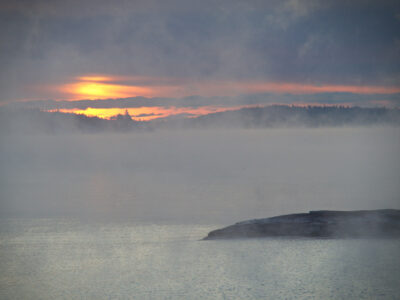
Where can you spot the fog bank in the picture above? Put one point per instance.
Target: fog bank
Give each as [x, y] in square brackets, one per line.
[199, 176]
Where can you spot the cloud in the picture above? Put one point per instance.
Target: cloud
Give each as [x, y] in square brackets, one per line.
[102, 86]
[51, 42]
[290, 11]
[146, 115]
[202, 105]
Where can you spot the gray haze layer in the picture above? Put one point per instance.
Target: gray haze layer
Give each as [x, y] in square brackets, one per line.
[200, 176]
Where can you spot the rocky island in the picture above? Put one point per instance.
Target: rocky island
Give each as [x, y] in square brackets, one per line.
[317, 224]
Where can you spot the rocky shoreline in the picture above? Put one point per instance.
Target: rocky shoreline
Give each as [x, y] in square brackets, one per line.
[317, 224]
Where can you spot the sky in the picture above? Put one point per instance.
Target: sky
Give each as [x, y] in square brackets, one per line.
[225, 54]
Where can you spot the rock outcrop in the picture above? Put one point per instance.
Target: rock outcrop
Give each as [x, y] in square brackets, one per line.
[317, 224]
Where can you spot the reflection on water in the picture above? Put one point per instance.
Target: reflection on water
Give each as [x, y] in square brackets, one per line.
[65, 259]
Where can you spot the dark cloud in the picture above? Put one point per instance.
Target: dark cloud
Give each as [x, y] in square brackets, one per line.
[146, 115]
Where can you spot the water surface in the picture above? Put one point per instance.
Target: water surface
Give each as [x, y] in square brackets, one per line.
[66, 259]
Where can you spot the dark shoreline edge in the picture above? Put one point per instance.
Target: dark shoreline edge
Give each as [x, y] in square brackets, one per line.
[384, 223]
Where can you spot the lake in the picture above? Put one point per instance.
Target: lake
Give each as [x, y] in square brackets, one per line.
[70, 259]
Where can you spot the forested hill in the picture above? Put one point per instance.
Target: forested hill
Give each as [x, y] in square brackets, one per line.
[34, 120]
[294, 116]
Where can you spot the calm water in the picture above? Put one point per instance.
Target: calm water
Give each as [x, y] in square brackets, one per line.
[66, 259]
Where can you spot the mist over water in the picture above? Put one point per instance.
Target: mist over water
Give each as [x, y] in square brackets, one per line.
[100, 216]
[199, 176]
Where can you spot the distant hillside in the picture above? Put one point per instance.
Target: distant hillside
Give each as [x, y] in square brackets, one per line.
[294, 116]
[37, 121]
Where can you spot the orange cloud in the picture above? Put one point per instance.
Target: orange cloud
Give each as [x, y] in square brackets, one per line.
[112, 87]
[98, 90]
[96, 78]
[297, 88]
[234, 88]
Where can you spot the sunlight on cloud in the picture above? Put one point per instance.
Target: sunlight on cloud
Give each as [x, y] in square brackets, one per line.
[96, 78]
[98, 90]
[113, 87]
[299, 88]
